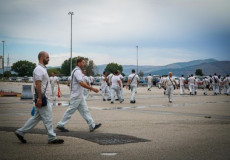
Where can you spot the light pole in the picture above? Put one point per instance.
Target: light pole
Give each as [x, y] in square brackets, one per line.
[71, 14]
[137, 60]
[3, 57]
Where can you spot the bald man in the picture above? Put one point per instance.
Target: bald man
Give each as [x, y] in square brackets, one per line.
[170, 84]
[43, 111]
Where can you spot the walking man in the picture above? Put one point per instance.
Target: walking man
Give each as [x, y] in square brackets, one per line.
[122, 81]
[196, 85]
[182, 84]
[191, 81]
[87, 81]
[215, 82]
[150, 82]
[206, 84]
[133, 81]
[116, 87]
[77, 101]
[54, 85]
[170, 84]
[105, 87]
[41, 83]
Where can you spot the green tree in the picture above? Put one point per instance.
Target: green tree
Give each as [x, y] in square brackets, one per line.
[90, 66]
[23, 68]
[141, 74]
[199, 72]
[56, 70]
[112, 67]
[7, 74]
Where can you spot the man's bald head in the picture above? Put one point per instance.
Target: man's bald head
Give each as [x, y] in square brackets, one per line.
[42, 54]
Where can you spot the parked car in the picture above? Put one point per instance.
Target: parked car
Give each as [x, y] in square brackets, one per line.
[19, 79]
[12, 79]
[30, 79]
[142, 81]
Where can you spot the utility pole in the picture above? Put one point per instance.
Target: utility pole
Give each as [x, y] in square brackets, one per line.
[3, 57]
[71, 14]
[137, 60]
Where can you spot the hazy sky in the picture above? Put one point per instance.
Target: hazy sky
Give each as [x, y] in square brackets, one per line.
[166, 31]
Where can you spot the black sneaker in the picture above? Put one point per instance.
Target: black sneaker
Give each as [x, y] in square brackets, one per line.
[20, 138]
[104, 100]
[108, 99]
[62, 129]
[96, 127]
[122, 101]
[111, 102]
[56, 141]
[117, 99]
[132, 102]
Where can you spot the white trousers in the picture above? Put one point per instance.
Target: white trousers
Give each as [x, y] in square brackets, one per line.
[80, 105]
[181, 89]
[105, 90]
[149, 85]
[195, 88]
[228, 89]
[205, 90]
[192, 89]
[45, 114]
[118, 92]
[54, 92]
[133, 92]
[170, 90]
[86, 93]
[215, 88]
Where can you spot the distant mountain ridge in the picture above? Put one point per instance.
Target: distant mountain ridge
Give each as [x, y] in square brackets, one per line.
[208, 66]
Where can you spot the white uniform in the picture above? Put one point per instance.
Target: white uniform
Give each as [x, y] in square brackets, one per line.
[170, 87]
[105, 88]
[191, 81]
[91, 79]
[122, 92]
[115, 88]
[150, 79]
[44, 113]
[206, 83]
[53, 82]
[163, 81]
[196, 85]
[133, 85]
[86, 91]
[109, 77]
[215, 84]
[228, 85]
[182, 85]
[77, 100]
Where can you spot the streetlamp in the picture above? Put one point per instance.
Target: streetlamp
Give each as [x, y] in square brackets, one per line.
[137, 60]
[71, 13]
[3, 57]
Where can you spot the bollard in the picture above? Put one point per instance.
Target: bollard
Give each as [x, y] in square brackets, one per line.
[26, 92]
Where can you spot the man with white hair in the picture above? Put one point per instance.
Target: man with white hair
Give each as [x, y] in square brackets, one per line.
[170, 84]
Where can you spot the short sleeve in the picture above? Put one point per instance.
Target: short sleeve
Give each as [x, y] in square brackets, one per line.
[38, 75]
[78, 76]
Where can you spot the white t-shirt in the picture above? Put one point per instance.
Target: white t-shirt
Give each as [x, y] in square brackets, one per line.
[182, 81]
[196, 82]
[53, 81]
[103, 81]
[206, 81]
[85, 79]
[169, 82]
[191, 80]
[135, 79]
[40, 74]
[77, 89]
[215, 79]
[121, 78]
[115, 80]
[149, 78]
[109, 77]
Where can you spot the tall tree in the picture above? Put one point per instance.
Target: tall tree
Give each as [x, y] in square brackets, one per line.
[23, 68]
[199, 72]
[56, 70]
[112, 67]
[90, 66]
[141, 74]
